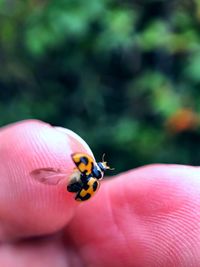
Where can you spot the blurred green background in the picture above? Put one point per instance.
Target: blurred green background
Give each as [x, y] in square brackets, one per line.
[124, 75]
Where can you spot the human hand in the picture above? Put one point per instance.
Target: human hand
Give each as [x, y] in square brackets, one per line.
[147, 217]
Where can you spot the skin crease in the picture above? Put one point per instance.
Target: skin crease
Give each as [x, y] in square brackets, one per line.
[147, 217]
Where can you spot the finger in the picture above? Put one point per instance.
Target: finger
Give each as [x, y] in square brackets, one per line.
[38, 253]
[146, 217]
[28, 207]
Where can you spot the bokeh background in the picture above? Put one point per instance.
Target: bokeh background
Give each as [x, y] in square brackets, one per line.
[123, 74]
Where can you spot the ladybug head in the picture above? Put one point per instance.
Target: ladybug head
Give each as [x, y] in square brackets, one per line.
[103, 165]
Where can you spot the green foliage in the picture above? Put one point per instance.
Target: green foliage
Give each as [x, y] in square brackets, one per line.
[115, 72]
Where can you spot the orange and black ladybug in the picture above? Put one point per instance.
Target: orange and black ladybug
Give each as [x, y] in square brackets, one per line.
[84, 181]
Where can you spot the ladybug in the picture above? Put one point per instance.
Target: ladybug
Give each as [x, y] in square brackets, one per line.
[84, 181]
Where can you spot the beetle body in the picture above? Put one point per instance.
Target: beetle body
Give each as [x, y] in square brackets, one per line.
[86, 183]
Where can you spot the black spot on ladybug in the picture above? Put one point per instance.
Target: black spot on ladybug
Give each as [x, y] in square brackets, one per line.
[95, 184]
[84, 160]
[85, 186]
[86, 197]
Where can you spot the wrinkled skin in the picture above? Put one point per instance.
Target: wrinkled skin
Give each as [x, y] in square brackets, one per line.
[147, 217]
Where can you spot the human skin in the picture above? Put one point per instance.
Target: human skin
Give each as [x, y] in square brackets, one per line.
[146, 217]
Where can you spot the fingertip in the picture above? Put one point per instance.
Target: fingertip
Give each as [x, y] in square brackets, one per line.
[76, 139]
[28, 207]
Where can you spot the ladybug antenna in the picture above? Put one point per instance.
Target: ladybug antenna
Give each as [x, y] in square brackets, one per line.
[109, 168]
[103, 157]
[105, 163]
